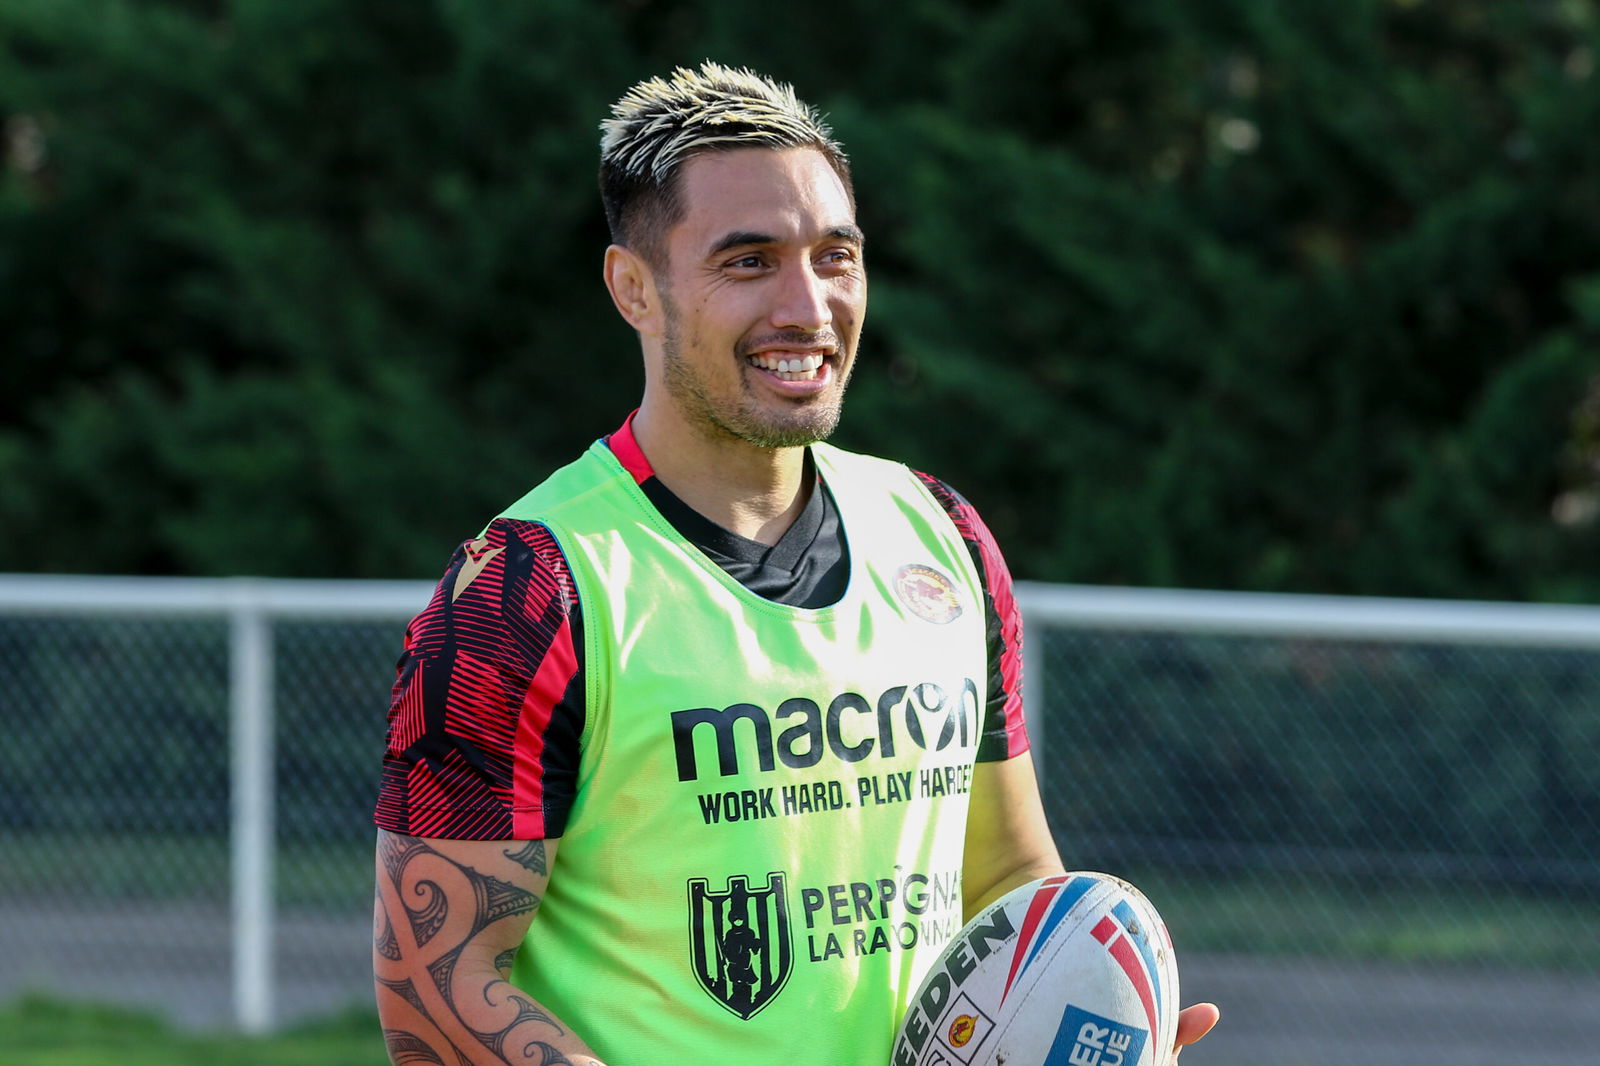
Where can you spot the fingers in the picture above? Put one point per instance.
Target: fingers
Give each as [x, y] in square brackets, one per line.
[1195, 1022]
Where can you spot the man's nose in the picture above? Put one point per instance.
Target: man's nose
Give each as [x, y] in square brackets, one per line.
[802, 301]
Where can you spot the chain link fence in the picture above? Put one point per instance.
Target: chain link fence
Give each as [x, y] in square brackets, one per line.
[1372, 826]
[186, 792]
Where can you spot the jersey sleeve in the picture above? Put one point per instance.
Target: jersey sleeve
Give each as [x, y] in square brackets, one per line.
[487, 711]
[1004, 733]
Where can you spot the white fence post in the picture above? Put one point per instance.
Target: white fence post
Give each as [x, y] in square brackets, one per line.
[250, 700]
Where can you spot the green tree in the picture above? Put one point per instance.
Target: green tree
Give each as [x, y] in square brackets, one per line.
[1242, 294]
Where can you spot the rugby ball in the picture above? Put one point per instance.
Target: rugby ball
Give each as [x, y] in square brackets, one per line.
[1073, 970]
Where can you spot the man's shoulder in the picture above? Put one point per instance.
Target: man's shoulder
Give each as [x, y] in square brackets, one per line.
[833, 455]
[565, 488]
[512, 568]
[968, 522]
[517, 549]
[951, 500]
[837, 460]
[887, 471]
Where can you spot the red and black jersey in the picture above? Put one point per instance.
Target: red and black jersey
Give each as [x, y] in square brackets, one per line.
[487, 707]
[487, 710]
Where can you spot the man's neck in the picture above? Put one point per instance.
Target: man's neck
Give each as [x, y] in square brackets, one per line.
[746, 489]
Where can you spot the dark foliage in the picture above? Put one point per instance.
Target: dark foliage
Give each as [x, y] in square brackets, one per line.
[1235, 295]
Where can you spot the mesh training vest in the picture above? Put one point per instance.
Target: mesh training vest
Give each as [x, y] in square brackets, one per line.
[764, 855]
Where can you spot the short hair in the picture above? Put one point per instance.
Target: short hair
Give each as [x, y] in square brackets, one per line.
[658, 125]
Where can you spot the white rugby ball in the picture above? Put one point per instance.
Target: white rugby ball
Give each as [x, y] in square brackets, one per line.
[1073, 970]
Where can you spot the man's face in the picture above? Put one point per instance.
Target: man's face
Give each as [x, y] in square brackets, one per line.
[764, 291]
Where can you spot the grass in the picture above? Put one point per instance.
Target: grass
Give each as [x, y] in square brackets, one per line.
[48, 1032]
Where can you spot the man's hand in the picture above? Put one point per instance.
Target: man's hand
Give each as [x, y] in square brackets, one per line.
[1193, 1023]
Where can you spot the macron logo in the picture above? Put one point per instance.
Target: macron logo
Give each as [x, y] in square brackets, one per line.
[474, 565]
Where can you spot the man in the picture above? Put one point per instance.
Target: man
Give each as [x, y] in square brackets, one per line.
[735, 712]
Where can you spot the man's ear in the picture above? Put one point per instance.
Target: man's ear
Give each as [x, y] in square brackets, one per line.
[633, 289]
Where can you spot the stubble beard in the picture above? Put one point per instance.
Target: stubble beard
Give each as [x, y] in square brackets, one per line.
[797, 425]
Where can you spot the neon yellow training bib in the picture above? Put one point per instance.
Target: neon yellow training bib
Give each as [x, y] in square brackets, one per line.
[764, 855]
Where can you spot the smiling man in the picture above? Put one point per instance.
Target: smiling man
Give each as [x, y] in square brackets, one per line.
[706, 746]
[749, 310]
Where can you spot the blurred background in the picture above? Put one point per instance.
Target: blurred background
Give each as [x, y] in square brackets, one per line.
[1241, 296]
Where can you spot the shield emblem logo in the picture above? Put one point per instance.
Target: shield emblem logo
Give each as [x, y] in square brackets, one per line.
[739, 942]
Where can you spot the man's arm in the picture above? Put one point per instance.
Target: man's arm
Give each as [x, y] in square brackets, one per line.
[1008, 840]
[449, 917]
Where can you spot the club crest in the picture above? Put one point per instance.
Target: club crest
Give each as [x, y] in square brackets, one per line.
[739, 942]
[929, 594]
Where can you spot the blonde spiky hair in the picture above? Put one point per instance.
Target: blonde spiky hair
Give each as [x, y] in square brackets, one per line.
[658, 123]
[662, 122]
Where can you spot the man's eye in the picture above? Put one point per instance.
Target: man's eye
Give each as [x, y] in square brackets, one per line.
[746, 262]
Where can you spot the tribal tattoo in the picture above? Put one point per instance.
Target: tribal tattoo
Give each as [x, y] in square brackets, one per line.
[530, 857]
[444, 940]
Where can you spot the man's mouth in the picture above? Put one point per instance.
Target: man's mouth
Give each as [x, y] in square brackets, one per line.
[789, 366]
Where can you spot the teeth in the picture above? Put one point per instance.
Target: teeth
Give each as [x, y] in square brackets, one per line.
[804, 365]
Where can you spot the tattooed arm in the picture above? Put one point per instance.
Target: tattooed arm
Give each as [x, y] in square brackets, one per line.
[449, 916]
